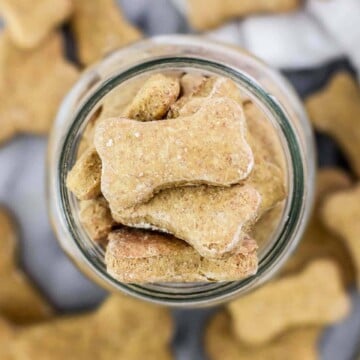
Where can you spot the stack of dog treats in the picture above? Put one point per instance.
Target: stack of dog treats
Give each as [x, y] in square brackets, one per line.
[282, 320]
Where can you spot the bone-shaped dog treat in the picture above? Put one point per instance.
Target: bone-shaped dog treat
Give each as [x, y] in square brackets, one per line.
[314, 297]
[30, 22]
[96, 217]
[341, 214]
[213, 87]
[20, 302]
[210, 219]
[100, 27]
[141, 158]
[222, 344]
[191, 83]
[335, 110]
[215, 12]
[138, 256]
[85, 176]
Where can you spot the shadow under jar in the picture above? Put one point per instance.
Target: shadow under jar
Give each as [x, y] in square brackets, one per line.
[258, 83]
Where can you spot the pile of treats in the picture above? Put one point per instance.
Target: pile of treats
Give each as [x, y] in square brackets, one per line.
[176, 159]
[283, 318]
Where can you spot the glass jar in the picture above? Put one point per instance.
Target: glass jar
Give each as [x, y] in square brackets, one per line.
[264, 86]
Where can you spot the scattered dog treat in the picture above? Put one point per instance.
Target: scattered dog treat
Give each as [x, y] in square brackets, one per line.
[209, 219]
[217, 12]
[335, 110]
[154, 99]
[96, 217]
[185, 151]
[121, 328]
[84, 179]
[138, 256]
[100, 27]
[29, 22]
[19, 301]
[221, 344]
[341, 214]
[191, 83]
[38, 80]
[314, 297]
[317, 241]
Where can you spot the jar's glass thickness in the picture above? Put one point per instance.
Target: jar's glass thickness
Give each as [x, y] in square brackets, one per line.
[264, 86]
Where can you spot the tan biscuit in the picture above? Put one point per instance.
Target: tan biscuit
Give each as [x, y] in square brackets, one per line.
[96, 217]
[30, 22]
[121, 328]
[341, 214]
[154, 99]
[32, 85]
[191, 83]
[215, 12]
[305, 299]
[141, 158]
[84, 179]
[210, 219]
[138, 256]
[221, 343]
[7, 335]
[19, 301]
[317, 241]
[100, 27]
[335, 110]
[213, 87]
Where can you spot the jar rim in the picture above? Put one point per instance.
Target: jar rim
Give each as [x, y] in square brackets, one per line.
[209, 293]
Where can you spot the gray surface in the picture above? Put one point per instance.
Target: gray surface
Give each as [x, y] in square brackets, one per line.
[22, 189]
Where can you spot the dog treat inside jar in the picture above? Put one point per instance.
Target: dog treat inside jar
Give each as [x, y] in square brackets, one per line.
[181, 174]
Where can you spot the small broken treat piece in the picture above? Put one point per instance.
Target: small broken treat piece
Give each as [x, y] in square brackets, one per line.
[212, 220]
[335, 110]
[211, 88]
[37, 80]
[341, 214]
[305, 299]
[122, 328]
[96, 217]
[84, 179]
[141, 158]
[221, 343]
[215, 12]
[99, 28]
[137, 256]
[19, 301]
[191, 83]
[30, 22]
[318, 241]
[154, 99]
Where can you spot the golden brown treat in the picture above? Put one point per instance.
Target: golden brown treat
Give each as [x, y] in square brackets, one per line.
[210, 219]
[19, 301]
[191, 83]
[317, 241]
[213, 87]
[141, 158]
[341, 214]
[100, 27]
[32, 85]
[221, 343]
[315, 297]
[30, 22]
[213, 13]
[335, 110]
[96, 217]
[138, 256]
[154, 99]
[122, 328]
[7, 335]
[84, 179]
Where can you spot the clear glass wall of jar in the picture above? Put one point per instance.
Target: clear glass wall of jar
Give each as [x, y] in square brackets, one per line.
[265, 86]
